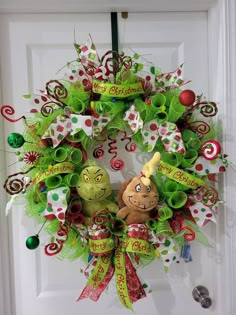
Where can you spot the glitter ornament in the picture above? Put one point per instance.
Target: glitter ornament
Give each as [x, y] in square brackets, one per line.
[15, 140]
[187, 97]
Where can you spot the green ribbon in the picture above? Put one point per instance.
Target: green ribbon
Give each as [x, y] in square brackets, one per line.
[99, 271]
[162, 226]
[191, 139]
[60, 154]
[71, 180]
[179, 175]
[63, 153]
[117, 226]
[76, 156]
[165, 213]
[109, 107]
[189, 158]
[77, 98]
[176, 110]
[172, 158]
[53, 182]
[158, 100]
[60, 168]
[161, 116]
[121, 284]
[170, 186]
[176, 199]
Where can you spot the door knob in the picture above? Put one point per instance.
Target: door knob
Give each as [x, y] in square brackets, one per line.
[201, 295]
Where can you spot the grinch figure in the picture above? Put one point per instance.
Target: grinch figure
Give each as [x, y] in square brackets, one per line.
[94, 187]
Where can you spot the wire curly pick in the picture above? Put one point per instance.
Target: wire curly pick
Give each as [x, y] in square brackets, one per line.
[9, 110]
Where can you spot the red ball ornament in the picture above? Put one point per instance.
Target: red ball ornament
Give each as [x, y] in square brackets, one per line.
[187, 97]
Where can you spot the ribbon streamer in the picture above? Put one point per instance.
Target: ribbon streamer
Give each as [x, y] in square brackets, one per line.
[56, 204]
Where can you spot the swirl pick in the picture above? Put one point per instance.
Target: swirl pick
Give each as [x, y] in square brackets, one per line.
[130, 146]
[116, 164]
[9, 110]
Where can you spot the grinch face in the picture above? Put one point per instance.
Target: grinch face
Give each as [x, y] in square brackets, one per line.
[94, 184]
[139, 197]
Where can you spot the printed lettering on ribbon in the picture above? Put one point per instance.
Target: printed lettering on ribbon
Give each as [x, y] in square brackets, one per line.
[100, 270]
[54, 170]
[102, 246]
[121, 90]
[179, 175]
[121, 283]
[134, 245]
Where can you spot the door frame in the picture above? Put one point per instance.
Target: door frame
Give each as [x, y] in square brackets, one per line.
[222, 82]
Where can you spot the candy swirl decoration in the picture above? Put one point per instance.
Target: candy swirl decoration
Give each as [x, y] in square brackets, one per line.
[94, 102]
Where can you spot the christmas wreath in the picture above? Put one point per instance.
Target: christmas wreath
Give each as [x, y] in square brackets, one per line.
[98, 103]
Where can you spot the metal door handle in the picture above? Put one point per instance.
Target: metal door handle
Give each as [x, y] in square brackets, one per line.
[201, 295]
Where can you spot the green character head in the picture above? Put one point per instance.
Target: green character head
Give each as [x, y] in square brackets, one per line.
[94, 184]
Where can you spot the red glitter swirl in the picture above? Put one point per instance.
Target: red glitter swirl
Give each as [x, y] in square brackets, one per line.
[53, 248]
[117, 164]
[209, 196]
[100, 218]
[9, 110]
[129, 147]
[98, 152]
[188, 236]
[127, 62]
[15, 186]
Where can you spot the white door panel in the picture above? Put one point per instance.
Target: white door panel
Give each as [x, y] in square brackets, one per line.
[39, 45]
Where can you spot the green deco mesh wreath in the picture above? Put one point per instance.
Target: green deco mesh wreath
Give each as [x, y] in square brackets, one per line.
[155, 214]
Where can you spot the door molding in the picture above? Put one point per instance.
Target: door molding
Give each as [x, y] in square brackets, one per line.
[222, 51]
[5, 249]
[222, 82]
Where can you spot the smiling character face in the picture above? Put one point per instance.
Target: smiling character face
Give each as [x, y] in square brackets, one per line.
[94, 184]
[139, 197]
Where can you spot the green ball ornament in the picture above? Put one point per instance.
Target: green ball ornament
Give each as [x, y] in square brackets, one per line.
[32, 242]
[15, 140]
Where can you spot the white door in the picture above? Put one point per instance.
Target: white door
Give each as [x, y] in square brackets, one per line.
[33, 48]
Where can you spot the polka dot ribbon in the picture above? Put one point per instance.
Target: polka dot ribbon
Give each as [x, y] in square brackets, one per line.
[58, 130]
[204, 205]
[62, 126]
[88, 55]
[132, 116]
[171, 80]
[168, 133]
[79, 122]
[56, 204]
[202, 214]
[168, 252]
[203, 166]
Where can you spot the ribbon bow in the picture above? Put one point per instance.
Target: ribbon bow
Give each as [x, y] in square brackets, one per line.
[168, 133]
[104, 246]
